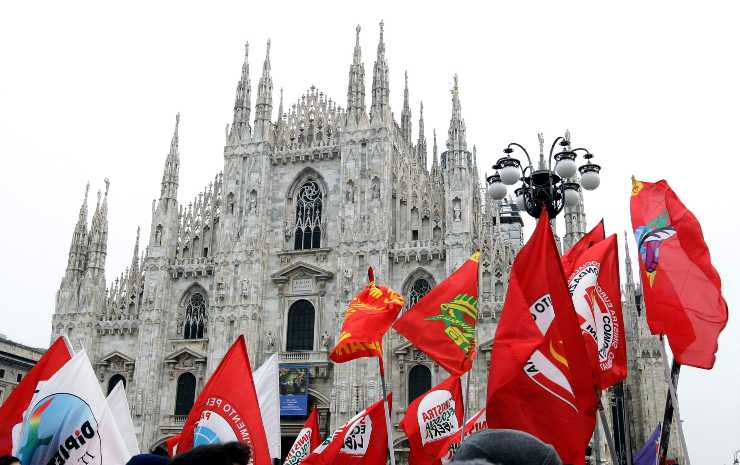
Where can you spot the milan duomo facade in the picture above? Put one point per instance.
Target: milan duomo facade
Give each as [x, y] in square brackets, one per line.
[278, 243]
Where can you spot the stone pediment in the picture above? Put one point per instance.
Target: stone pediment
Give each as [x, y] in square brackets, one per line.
[302, 270]
[184, 354]
[116, 358]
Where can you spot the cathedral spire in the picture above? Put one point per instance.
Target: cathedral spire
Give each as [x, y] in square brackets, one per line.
[421, 145]
[406, 112]
[263, 106]
[456, 133]
[78, 247]
[380, 111]
[172, 166]
[98, 239]
[435, 157]
[135, 258]
[240, 128]
[356, 114]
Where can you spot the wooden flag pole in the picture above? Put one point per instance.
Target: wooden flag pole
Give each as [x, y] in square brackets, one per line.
[607, 433]
[671, 407]
[387, 413]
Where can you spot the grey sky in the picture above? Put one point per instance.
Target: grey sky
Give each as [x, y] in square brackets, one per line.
[89, 90]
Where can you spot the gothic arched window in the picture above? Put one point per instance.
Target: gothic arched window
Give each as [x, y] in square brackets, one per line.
[420, 381]
[194, 326]
[308, 216]
[419, 289]
[299, 335]
[185, 395]
[114, 380]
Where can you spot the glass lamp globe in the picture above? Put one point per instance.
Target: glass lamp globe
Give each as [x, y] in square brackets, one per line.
[509, 175]
[590, 180]
[571, 197]
[497, 190]
[565, 167]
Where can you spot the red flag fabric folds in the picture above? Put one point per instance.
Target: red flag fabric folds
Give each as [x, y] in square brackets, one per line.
[442, 323]
[432, 419]
[593, 282]
[363, 440]
[308, 439]
[681, 288]
[591, 238]
[227, 409]
[540, 379]
[11, 411]
[366, 320]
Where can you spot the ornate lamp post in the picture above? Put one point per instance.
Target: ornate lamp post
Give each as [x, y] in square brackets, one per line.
[544, 186]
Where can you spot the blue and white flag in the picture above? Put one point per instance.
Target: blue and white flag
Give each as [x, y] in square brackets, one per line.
[69, 422]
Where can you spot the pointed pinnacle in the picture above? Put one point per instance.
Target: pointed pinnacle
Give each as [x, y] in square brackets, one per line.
[87, 189]
[357, 37]
[107, 186]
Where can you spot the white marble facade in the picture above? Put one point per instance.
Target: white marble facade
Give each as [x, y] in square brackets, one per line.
[305, 203]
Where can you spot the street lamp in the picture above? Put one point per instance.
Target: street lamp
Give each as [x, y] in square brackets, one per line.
[545, 186]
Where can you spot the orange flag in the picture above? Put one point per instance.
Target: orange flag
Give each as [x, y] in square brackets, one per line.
[368, 317]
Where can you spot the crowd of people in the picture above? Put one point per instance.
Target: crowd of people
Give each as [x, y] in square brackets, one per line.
[487, 447]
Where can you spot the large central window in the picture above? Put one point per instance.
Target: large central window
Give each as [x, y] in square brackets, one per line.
[299, 335]
[419, 289]
[308, 216]
[195, 317]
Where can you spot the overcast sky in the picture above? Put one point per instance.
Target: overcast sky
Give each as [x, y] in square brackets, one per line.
[89, 90]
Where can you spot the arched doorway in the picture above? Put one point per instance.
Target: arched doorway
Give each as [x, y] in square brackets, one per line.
[114, 380]
[300, 332]
[420, 381]
[185, 396]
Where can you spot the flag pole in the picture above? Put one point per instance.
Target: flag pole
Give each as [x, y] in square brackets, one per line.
[464, 404]
[387, 412]
[671, 407]
[607, 432]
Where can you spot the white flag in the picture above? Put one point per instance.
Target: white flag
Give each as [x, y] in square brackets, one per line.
[69, 422]
[121, 411]
[267, 384]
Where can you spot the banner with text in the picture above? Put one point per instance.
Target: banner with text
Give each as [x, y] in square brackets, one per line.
[294, 390]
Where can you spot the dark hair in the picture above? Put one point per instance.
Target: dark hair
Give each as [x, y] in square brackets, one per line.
[216, 454]
[9, 460]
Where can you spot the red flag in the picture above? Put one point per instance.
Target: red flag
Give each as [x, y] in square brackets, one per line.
[227, 409]
[681, 288]
[540, 380]
[432, 419]
[308, 439]
[472, 426]
[593, 283]
[367, 318]
[363, 440]
[11, 411]
[171, 444]
[442, 323]
[591, 238]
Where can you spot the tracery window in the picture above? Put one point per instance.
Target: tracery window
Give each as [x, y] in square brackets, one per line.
[195, 317]
[308, 216]
[420, 381]
[419, 289]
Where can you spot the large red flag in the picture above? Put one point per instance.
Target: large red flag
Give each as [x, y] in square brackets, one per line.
[540, 379]
[431, 419]
[367, 318]
[442, 323]
[593, 282]
[681, 288]
[363, 440]
[227, 409]
[591, 238]
[11, 411]
[308, 439]
[472, 426]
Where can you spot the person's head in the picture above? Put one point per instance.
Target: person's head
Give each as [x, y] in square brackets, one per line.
[230, 453]
[9, 460]
[148, 459]
[505, 447]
